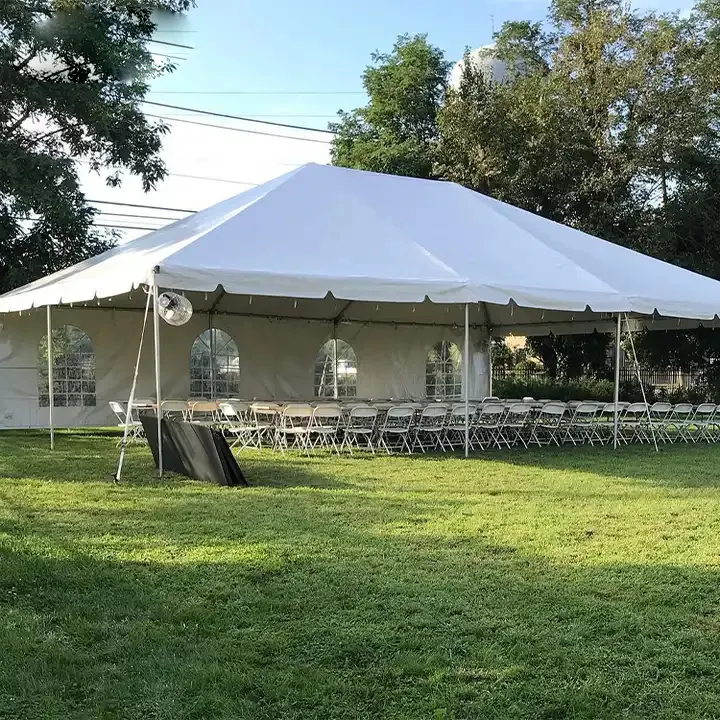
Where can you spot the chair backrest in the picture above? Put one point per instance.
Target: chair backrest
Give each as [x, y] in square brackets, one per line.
[521, 409]
[234, 410]
[491, 413]
[399, 417]
[660, 410]
[203, 406]
[609, 408]
[636, 409]
[683, 410]
[363, 411]
[174, 406]
[298, 410]
[706, 409]
[586, 410]
[553, 410]
[119, 411]
[328, 411]
[432, 417]
[491, 398]
[458, 411]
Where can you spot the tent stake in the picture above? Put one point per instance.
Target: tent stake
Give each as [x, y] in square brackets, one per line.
[51, 391]
[158, 392]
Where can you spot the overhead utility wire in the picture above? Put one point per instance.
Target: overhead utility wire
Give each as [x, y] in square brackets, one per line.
[257, 92]
[235, 117]
[145, 207]
[244, 130]
[172, 44]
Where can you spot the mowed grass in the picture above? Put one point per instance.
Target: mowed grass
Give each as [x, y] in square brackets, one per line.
[552, 584]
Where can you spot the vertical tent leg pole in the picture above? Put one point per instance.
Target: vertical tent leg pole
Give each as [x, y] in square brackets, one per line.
[212, 356]
[467, 380]
[158, 392]
[51, 392]
[490, 365]
[642, 386]
[131, 399]
[616, 395]
[336, 393]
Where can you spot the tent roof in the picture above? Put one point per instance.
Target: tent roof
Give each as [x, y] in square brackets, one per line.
[321, 230]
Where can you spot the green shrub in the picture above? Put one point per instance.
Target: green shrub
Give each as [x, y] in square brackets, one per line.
[590, 389]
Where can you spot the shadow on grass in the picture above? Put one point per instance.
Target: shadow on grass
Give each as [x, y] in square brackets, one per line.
[92, 456]
[402, 627]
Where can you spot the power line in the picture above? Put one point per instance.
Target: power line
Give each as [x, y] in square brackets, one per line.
[254, 116]
[235, 117]
[144, 207]
[126, 227]
[196, 177]
[257, 92]
[169, 57]
[243, 130]
[171, 44]
[137, 216]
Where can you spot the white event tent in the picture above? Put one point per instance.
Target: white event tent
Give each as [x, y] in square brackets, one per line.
[390, 264]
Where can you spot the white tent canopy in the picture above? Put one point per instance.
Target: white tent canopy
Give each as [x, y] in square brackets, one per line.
[327, 233]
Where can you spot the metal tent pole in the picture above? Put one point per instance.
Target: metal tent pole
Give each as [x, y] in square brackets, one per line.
[212, 356]
[51, 393]
[642, 386]
[616, 395]
[467, 379]
[158, 392]
[131, 399]
[336, 394]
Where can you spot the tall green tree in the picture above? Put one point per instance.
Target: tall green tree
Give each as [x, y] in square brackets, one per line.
[72, 76]
[397, 130]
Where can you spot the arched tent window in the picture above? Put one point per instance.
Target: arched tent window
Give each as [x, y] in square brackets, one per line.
[443, 371]
[336, 362]
[73, 369]
[214, 366]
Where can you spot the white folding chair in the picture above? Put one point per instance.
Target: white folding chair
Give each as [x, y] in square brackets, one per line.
[265, 417]
[679, 423]
[430, 429]
[360, 428]
[136, 432]
[455, 427]
[175, 409]
[659, 418]
[295, 421]
[705, 422]
[606, 422]
[203, 412]
[516, 426]
[634, 425]
[583, 426]
[325, 427]
[546, 429]
[487, 426]
[236, 420]
[396, 431]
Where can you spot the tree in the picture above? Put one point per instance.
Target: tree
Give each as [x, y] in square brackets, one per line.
[397, 130]
[72, 76]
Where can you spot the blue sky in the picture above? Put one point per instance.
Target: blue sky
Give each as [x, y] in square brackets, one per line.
[318, 45]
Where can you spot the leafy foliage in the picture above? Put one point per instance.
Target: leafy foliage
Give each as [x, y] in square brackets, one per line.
[608, 120]
[396, 132]
[72, 76]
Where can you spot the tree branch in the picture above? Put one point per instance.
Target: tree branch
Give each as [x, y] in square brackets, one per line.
[26, 61]
[10, 129]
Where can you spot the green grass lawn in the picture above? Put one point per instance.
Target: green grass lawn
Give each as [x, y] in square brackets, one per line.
[553, 584]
